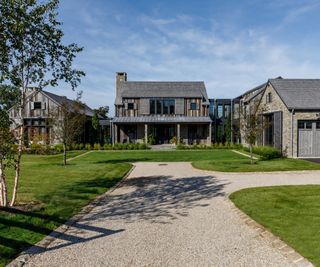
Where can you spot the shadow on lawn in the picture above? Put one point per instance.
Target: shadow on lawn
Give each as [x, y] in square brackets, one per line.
[157, 199]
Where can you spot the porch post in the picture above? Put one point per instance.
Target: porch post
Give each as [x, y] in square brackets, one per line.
[178, 134]
[115, 133]
[146, 133]
[209, 141]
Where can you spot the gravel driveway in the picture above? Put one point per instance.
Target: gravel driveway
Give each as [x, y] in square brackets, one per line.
[170, 215]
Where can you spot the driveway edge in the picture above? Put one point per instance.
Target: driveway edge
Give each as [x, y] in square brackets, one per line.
[288, 252]
[26, 255]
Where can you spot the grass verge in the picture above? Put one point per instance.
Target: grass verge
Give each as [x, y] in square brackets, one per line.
[290, 212]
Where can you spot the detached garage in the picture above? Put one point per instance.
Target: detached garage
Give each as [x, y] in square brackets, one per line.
[293, 108]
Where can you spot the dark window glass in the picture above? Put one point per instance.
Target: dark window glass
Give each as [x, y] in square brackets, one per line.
[301, 125]
[193, 105]
[37, 105]
[172, 105]
[159, 107]
[152, 106]
[211, 108]
[166, 104]
[308, 124]
[318, 124]
[220, 111]
[130, 105]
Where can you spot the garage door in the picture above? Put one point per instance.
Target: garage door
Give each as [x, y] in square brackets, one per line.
[309, 139]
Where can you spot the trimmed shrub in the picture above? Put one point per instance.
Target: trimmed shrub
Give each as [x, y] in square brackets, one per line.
[87, 147]
[266, 152]
[96, 147]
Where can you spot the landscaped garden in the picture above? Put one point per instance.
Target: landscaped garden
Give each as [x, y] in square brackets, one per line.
[290, 212]
[49, 193]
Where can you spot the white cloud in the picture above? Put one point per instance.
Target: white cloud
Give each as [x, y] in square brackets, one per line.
[176, 48]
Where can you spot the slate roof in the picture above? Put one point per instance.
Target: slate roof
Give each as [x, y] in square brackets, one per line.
[303, 94]
[62, 99]
[134, 89]
[161, 119]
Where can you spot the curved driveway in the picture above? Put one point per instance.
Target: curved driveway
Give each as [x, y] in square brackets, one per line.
[170, 215]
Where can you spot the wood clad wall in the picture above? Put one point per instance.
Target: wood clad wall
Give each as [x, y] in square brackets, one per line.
[200, 110]
[123, 111]
[47, 106]
[182, 107]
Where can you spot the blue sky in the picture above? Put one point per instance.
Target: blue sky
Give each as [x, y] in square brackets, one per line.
[231, 45]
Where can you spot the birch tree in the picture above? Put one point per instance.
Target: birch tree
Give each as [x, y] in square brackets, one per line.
[32, 54]
[7, 153]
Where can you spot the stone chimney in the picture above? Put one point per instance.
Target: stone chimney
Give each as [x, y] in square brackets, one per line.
[120, 78]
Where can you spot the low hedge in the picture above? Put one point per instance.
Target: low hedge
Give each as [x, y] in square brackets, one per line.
[266, 152]
[213, 146]
[39, 149]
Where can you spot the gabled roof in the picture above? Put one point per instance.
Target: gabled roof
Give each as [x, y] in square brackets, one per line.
[64, 100]
[298, 93]
[162, 89]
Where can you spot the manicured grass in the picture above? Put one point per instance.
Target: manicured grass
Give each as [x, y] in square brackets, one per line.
[290, 212]
[159, 156]
[56, 193]
[214, 160]
[244, 165]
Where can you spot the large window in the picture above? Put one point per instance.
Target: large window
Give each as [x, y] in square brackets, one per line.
[162, 106]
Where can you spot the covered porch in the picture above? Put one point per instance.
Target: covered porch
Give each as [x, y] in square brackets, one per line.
[163, 132]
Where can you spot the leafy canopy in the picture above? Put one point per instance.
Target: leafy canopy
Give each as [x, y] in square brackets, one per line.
[31, 48]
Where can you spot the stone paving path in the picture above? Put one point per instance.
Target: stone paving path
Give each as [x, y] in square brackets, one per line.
[170, 215]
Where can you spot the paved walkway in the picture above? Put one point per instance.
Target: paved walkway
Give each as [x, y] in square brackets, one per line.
[170, 215]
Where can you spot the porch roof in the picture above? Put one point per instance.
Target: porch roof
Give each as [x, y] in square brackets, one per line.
[161, 119]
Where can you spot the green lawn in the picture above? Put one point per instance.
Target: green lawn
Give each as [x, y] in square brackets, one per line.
[290, 212]
[244, 165]
[54, 193]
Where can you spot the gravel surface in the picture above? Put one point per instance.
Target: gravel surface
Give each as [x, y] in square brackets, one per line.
[170, 215]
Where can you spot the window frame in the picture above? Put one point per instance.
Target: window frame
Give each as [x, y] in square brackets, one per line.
[193, 105]
[37, 105]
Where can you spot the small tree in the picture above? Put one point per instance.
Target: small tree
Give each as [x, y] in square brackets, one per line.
[102, 111]
[96, 124]
[252, 125]
[7, 153]
[32, 54]
[67, 122]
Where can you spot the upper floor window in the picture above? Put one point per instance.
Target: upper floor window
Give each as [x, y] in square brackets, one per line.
[269, 98]
[193, 105]
[220, 111]
[162, 106]
[37, 105]
[227, 111]
[130, 105]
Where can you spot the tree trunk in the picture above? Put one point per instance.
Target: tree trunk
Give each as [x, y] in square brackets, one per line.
[251, 156]
[64, 154]
[17, 167]
[3, 186]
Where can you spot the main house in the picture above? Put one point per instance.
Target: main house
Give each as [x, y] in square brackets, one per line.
[291, 110]
[163, 112]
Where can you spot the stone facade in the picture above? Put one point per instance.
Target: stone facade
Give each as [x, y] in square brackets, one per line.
[289, 129]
